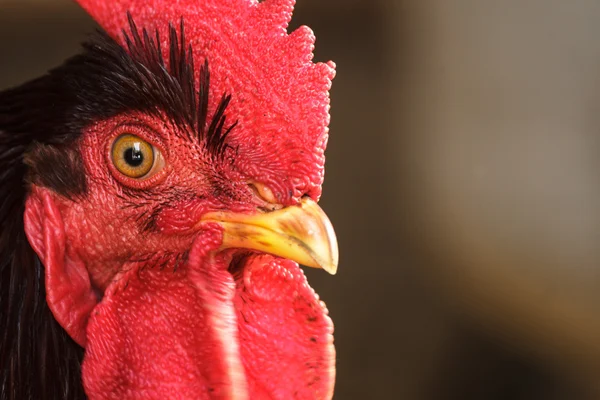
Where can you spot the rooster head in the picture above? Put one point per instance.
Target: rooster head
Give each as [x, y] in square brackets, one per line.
[174, 195]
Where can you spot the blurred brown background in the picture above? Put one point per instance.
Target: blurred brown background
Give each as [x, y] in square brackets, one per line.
[462, 179]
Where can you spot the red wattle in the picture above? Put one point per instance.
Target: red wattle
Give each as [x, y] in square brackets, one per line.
[202, 333]
[286, 336]
[160, 335]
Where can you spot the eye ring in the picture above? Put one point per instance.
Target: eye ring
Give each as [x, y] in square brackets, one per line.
[134, 157]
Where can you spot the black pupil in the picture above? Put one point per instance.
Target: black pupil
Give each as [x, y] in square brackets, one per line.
[133, 156]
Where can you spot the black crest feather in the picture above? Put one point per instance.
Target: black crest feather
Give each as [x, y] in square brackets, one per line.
[40, 124]
[175, 86]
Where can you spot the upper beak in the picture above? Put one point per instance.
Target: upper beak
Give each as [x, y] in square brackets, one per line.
[301, 233]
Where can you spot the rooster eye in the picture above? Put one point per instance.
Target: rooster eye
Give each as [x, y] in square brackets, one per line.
[133, 156]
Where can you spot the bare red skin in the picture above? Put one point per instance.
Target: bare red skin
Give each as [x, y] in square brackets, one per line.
[153, 331]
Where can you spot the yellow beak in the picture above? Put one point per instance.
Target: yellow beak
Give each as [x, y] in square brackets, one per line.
[301, 233]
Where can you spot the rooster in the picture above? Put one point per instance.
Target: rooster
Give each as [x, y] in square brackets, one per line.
[158, 191]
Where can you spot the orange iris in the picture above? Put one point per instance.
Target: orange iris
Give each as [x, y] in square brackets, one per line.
[133, 156]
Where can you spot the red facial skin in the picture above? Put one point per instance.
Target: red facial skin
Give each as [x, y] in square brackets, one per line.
[157, 310]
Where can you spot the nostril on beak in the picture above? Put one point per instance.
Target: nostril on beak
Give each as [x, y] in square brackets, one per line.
[266, 196]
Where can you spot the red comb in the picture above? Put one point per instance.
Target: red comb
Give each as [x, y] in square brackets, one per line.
[279, 96]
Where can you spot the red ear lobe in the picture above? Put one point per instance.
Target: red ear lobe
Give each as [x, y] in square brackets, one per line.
[69, 292]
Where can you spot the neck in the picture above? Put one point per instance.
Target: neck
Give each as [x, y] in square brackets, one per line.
[38, 359]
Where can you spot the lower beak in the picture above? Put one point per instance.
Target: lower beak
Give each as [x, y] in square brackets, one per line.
[301, 233]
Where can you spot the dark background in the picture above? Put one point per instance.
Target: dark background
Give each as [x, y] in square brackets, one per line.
[462, 180]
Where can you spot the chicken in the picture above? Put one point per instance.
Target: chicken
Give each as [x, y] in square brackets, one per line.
[158, 191]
